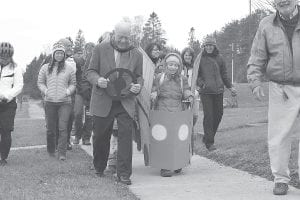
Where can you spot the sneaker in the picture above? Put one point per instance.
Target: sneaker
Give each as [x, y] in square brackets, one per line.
[280, 189]
[3, 162]
[177, 171]
[125, 180]
[69, 147]
[62, 157]
[166, 173]
[86, 142]
[76, 140]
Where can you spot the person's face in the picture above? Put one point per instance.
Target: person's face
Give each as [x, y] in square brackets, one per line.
[89, 50]
[187, 57]
[286, 7]
[209, 48]
[172, 64]
[59, 56]
[122, 40]
[4, 61]
[155, 52]
[69, 49]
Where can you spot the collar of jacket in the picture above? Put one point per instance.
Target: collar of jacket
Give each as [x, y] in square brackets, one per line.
[277, 22]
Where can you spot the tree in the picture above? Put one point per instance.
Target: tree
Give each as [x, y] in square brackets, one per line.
[193, 42]
[79, 42]
[137, 30]
[153, 32]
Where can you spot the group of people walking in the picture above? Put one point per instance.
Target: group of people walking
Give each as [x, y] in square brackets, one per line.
[71, 87]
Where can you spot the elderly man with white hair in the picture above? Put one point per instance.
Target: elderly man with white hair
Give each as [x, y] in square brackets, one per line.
[117, 52]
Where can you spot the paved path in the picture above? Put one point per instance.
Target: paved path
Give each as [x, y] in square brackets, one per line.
[202, 180]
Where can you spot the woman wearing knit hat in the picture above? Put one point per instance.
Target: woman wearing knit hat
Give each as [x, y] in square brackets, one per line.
[212, 76]
[169, 89]
[11, 84]
[57, 81]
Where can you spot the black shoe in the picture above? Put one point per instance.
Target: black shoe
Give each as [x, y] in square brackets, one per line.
[86, 142]
[177, 171]
[166, 173]
[69, 147]
[3, 162]
[99, 173]
[125, 180]
[211, 147]
[280, 189]
[76, 140]
[112, 169]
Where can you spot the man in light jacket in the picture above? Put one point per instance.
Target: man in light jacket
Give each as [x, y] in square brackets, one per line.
[276, 52]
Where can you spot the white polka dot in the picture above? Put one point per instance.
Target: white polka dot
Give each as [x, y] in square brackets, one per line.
[183, 132]
[159, 132]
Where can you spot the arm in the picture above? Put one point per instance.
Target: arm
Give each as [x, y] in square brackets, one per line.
[17, 85]
[258, 59]
[224, 75]
[72, 82]
[200, 80]
[93, 71]
[41, 82]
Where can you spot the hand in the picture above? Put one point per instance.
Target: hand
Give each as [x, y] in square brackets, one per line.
[102, 82]
[233, 91]
[135, 88]
[153, 96]
[258, 93]
[191, 99]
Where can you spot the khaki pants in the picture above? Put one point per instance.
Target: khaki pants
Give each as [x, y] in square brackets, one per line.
[282, 115]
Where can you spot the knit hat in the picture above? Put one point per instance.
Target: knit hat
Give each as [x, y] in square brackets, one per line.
[210, 41]
[173, 60]
[6, 50]
[58, 47]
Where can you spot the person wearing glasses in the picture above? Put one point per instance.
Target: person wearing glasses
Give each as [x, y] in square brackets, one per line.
[118, 52]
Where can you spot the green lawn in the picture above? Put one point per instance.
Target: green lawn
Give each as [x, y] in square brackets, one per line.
[32, 174]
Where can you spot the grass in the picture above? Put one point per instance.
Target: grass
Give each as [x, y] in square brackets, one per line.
[32, 174]
[241, 145]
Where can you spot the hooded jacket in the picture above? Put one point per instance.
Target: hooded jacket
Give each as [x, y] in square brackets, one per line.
[212, 74]
[171, 89]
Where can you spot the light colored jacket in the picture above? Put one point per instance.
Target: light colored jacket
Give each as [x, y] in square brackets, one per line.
[57, 87]
[271, 53]
[11, 81]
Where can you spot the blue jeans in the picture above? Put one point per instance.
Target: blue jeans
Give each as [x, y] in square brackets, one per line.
[57, 113]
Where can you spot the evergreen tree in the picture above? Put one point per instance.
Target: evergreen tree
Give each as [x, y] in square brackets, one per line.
[79, 42]
[193, 42]
[153, 32]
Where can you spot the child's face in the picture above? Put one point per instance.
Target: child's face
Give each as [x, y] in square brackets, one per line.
[172, 64]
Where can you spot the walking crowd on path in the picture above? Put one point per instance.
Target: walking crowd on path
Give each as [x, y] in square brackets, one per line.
[98, 92]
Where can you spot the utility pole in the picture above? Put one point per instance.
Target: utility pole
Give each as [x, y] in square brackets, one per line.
[232, 49]
[250, 2]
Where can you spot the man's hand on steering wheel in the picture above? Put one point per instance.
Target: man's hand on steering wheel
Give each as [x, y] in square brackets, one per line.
[135, 88]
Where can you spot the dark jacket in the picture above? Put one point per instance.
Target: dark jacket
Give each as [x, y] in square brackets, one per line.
[101, 63]
[85, 86]
[212, 74]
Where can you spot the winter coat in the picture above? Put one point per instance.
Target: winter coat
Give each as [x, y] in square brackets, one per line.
[212, 74]
[171, 90]
[11, 81]
[272, 53]
[57, 87]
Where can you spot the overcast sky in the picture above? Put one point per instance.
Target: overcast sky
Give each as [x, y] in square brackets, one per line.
[31, 25]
